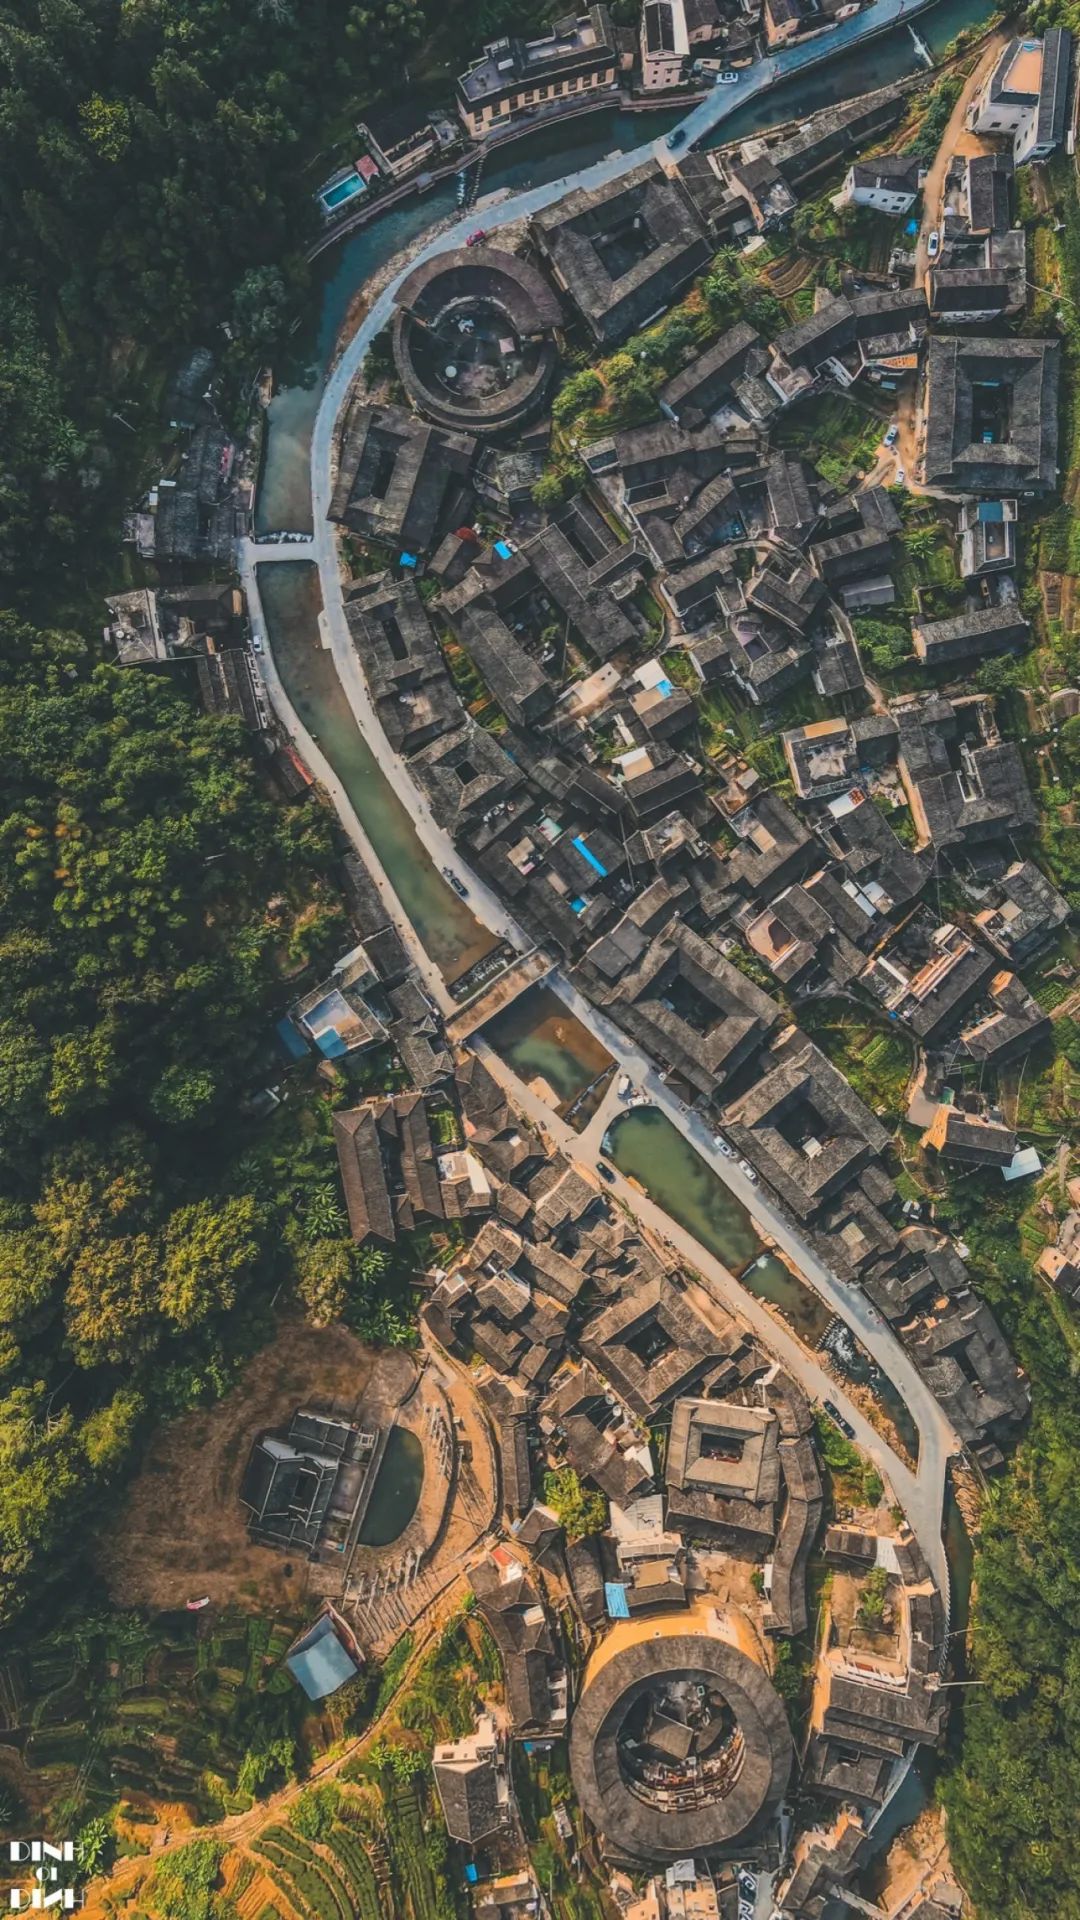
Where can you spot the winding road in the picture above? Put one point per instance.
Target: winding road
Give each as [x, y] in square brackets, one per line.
[920, 1493]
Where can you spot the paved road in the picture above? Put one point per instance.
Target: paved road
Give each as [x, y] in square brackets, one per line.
[936, 1436]
[919, 1494]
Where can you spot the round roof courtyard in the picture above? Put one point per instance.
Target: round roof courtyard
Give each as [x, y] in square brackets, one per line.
[679, 1744]
[472, 339]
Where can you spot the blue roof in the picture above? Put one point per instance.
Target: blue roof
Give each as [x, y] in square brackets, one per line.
[586, 854]
[615, 1600]
[293, 1044]
[319, 1663]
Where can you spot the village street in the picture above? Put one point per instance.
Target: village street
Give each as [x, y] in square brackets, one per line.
[922, 1494]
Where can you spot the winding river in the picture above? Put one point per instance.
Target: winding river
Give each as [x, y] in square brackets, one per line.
[284, 491]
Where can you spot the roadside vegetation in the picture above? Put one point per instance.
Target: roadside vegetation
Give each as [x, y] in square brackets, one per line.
[1010, 1792]
[158, 906]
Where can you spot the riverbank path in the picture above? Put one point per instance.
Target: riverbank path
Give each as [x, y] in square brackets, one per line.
[924, 1491]
[921, 1494]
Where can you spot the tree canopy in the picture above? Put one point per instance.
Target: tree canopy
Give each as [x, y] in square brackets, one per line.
[139, 963]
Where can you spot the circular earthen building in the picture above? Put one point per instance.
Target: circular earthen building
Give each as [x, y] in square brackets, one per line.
[472, 339]
[679, 1744]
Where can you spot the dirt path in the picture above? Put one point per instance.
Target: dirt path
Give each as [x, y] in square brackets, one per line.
[955, 139]
[238, 1828]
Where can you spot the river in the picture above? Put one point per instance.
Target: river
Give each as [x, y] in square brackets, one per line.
[292, 601]
[284, 494]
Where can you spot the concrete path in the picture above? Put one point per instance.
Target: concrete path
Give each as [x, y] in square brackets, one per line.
[922, 1494]
[919, 1494]
[315, 759]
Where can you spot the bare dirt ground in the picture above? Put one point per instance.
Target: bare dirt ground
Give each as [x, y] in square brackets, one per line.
[183, 1533]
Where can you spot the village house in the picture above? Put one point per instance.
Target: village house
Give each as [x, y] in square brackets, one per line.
[1026, 96]
[625, 251]
[991, 412]
[889, 183]
[512, 77]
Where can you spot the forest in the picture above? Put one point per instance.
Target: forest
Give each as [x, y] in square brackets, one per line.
[1011, 1791]
[157, 164]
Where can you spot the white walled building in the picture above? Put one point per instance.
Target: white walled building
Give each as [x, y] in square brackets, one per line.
[888, 183]
[665, 43]
[1026, 96]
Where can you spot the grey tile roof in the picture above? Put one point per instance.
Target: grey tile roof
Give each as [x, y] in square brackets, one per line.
[615, 285]
[1027, 373]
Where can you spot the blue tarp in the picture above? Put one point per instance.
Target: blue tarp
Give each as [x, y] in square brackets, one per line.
[471, 1874]
[319, 1662]
[504, 550]
[615, 1600]
[586, 854]
[408, 560]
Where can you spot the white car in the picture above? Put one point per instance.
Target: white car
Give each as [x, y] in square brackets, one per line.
[726, 79]
[256, 642]
[933, 242]
[900, 477]
[892, 435]
[745, 1167]
[723, 1148]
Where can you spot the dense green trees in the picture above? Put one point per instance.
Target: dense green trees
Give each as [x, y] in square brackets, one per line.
[138, 969]
[1012, 1797]
[155, 192]
[580, 1511]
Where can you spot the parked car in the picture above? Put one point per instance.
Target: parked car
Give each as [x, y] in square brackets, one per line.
[458, 885]
[750, 1172]
[835, 1414]
[900, 476]
[726, 79]
[748, 1885]
[256, 642]
[893, 435]
[676, 139]
[475, 238]
[933, 242]
[722, 1147]
[605, 1173]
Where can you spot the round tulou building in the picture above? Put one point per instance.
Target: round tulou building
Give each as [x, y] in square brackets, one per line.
[472, 339]
[679, 1743]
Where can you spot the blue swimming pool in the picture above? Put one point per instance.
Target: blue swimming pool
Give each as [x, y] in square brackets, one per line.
[344, 190]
